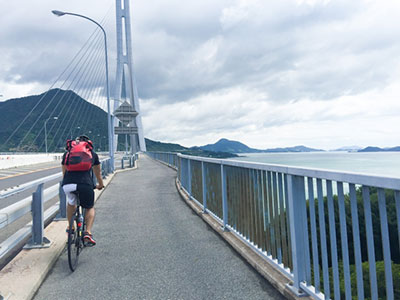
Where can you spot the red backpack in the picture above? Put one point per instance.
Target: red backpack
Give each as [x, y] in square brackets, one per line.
[79, 156]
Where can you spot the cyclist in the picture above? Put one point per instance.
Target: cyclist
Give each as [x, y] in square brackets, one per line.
[79, 177]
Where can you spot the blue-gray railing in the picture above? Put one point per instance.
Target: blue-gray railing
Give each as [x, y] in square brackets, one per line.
[170, 158]
[327, 231]
[131, 159]
[35, 204]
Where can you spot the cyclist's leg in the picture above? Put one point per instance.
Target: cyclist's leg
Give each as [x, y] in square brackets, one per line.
[86, 194]
[71, 198]
[89, 219]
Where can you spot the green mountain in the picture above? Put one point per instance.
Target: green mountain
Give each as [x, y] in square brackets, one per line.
[168, 147]
[163, 147]
[23, 121]
[226, 145]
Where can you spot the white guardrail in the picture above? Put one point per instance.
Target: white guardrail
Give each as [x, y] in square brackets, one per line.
[34, 204]
[12, 160]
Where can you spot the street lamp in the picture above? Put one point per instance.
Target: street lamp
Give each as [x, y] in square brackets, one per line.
[110, 129]
[72, 131]
[45, 130]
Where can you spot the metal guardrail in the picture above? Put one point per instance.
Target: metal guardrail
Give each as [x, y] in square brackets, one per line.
[327, 231]
[22, 187]
[34, 204]
[106, 167]
[131, 160]
[170, 158]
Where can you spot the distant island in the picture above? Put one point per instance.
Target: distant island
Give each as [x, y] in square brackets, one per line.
[226, 145]
[377, 149]
[225, 148]
[170, 147]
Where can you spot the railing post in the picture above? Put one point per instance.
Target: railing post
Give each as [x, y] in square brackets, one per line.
[224, 200]
[296, 194]
[204, 186]
[189, 180]
[38, 240]
[181, 170]
[62, 214]
[103, 172]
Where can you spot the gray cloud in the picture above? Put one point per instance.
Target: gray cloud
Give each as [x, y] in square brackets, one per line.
[37, 46]
[286, 50]
[182, 50]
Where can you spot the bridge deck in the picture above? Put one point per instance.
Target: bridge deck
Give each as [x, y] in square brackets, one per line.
[151, 246]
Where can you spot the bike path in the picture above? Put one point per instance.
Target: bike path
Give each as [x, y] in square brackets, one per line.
[150, 245]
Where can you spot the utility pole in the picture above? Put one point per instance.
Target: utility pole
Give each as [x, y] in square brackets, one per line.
[45, 130]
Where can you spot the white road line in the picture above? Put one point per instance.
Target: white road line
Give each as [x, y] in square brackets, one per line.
[27, 169]
[5, 173]
[9, 172]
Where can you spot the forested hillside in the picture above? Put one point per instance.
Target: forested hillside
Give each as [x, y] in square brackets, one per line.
[23, 119]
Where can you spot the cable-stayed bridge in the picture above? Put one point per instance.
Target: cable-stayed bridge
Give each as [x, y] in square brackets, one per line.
[171, 226]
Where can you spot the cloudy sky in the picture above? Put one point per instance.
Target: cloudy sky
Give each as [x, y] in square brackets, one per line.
[270, 73]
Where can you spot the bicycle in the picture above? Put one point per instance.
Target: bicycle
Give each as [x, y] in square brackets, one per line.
[75, 236]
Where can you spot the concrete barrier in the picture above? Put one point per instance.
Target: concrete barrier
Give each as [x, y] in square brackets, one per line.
[18, 160]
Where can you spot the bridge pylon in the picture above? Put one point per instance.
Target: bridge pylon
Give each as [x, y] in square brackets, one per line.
[125, 83]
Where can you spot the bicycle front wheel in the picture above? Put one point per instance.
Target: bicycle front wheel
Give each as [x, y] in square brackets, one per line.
[73, 243]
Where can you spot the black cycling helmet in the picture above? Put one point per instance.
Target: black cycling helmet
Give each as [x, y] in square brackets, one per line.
[83, 138]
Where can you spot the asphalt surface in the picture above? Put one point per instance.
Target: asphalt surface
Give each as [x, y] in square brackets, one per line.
[15, 176]
[150, 245]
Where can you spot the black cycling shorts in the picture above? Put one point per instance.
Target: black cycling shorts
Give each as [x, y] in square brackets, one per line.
[86, 194]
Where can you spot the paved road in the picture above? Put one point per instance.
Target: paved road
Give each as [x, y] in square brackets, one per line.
[14, 176]
[152, 246]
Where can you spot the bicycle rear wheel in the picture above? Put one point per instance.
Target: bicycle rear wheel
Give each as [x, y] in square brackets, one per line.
[74, 243]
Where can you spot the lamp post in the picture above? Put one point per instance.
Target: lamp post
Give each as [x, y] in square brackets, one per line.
[104, 143]
[72, 132]
[110, 129]
[45, 130]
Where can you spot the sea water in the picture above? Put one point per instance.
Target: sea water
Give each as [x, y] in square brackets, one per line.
[371, 163]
